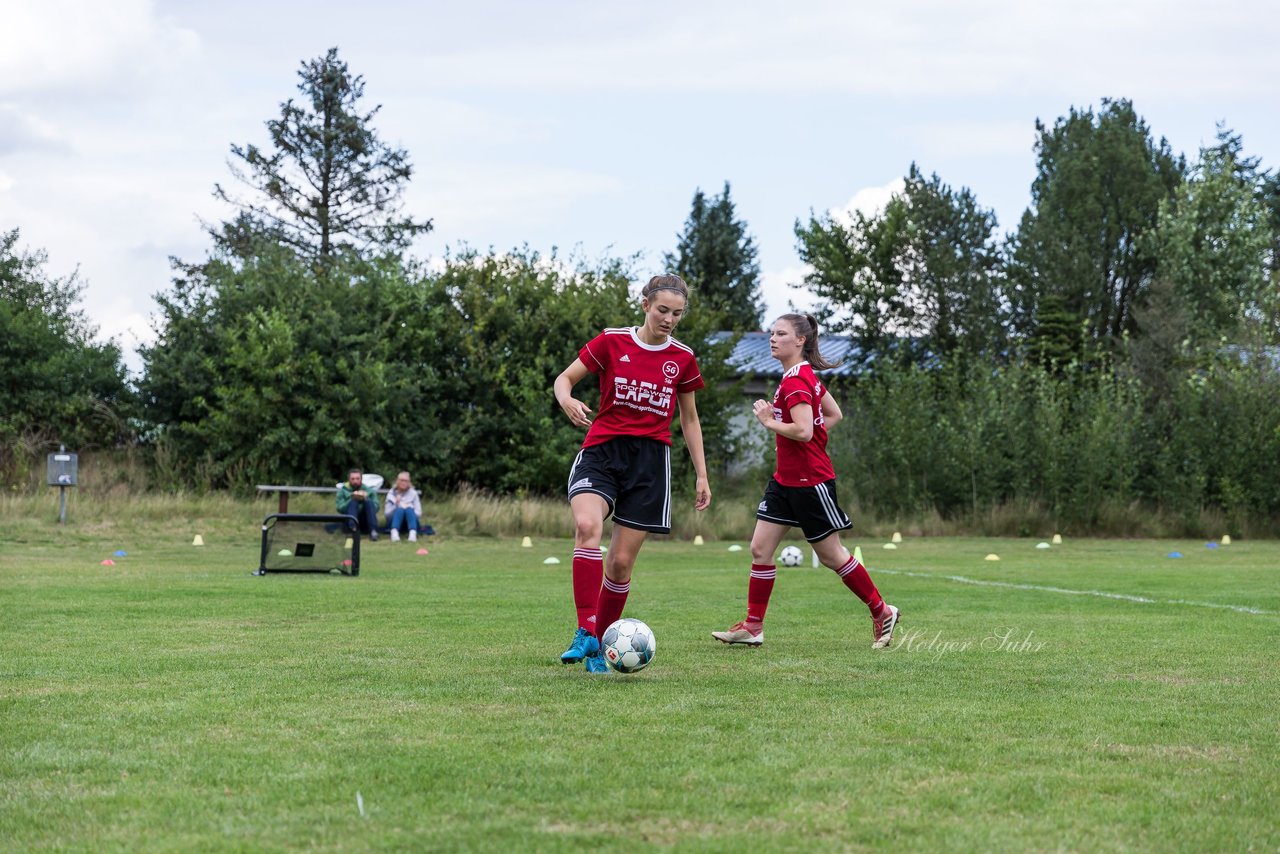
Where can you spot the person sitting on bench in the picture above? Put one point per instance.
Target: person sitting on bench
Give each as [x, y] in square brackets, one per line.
[359, 503]
[403, 508]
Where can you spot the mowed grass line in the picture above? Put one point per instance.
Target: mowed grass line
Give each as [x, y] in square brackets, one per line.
[174, 702]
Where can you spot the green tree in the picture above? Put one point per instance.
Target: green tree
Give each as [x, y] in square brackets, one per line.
[263, 369]
[1212, 241]
[57, 383]
[327, 183]
[853, 269]
[718, 258]
[512, 323]
[925, 270]
[1097, 193]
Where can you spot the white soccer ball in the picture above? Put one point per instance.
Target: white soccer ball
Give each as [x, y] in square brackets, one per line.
[628, 645]
[790, 556]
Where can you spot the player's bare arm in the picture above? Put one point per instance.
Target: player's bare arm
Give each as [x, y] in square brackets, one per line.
[831, 414]
[577, 411]
[691, 428]
[801, 427]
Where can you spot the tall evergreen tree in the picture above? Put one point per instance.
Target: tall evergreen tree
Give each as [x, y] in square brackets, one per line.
[1099, 184]
[327, 183]
[718, 258]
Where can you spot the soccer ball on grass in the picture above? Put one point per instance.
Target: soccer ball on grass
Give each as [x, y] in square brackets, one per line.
[790, 556]
[628, 645]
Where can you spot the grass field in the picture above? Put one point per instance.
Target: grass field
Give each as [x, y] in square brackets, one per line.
[174, 702]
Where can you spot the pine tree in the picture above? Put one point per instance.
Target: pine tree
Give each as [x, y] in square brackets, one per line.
[717, 257]
[328, 183]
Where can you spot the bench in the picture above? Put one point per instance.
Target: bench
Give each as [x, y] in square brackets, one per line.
[286, 491]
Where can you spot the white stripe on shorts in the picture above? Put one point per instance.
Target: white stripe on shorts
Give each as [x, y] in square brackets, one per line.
[834, 516]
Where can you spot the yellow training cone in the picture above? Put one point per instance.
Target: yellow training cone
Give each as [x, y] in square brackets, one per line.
[1057, 539]
[857, 553]
[697, 540]
[198, 541]
[1226, 539]
[527, 543]
[347, 544]
[897, 538]
[993, 557]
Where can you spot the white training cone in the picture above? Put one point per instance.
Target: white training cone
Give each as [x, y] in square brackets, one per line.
[993, 557]
[526, 543]
[735, 548]
[284, 553]
[697, 540]
[551, 560]
[1057, 539]
[1042, 545]
[890, 546]
[1226, 539]
[896, 538]
[857, 553]
[198, 541]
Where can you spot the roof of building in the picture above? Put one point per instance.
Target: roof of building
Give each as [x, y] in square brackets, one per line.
[751, 355]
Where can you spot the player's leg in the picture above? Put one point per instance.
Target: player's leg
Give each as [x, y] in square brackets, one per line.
[589, 512]
[624, 548]
[884, 617]
[643, 507]
[764, 544]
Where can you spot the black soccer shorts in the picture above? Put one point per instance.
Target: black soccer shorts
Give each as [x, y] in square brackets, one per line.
[812, 509]
[633, 475]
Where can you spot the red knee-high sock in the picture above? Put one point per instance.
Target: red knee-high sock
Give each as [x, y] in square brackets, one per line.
[588, 572]
[613, 598]
[759, 588]
[854, 575]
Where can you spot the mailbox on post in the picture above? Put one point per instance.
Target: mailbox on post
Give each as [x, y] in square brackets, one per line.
[62, 471]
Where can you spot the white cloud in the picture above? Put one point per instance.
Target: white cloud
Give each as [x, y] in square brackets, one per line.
[6, 183]
[21, 130]
[919, 47]
[781, 293]
[868, 201]
[85, 46]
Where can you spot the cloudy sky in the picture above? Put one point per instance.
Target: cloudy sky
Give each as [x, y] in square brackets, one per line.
[586, 125]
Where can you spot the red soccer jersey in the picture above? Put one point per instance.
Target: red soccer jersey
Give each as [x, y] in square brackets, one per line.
[638, 384]
[801, 463]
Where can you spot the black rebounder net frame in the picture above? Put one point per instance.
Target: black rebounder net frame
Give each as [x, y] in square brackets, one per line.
[310, 542]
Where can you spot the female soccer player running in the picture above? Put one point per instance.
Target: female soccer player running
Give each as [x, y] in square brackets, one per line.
[802, 491]
[624, 467]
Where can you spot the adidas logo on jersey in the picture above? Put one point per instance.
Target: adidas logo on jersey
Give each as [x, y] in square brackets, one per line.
[625, 358]
[582, 484]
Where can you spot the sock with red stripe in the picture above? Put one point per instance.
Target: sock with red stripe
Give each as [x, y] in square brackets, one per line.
[588, 572]
[759, 589]
[613, 598]
[854, 575]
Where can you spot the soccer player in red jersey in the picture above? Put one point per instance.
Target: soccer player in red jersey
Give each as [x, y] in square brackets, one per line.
[802, 492]
[624, 467]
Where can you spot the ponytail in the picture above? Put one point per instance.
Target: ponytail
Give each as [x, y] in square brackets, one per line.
[806, 327]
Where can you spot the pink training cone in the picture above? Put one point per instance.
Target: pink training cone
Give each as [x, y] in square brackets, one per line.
[423, 552]
[108, 562]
